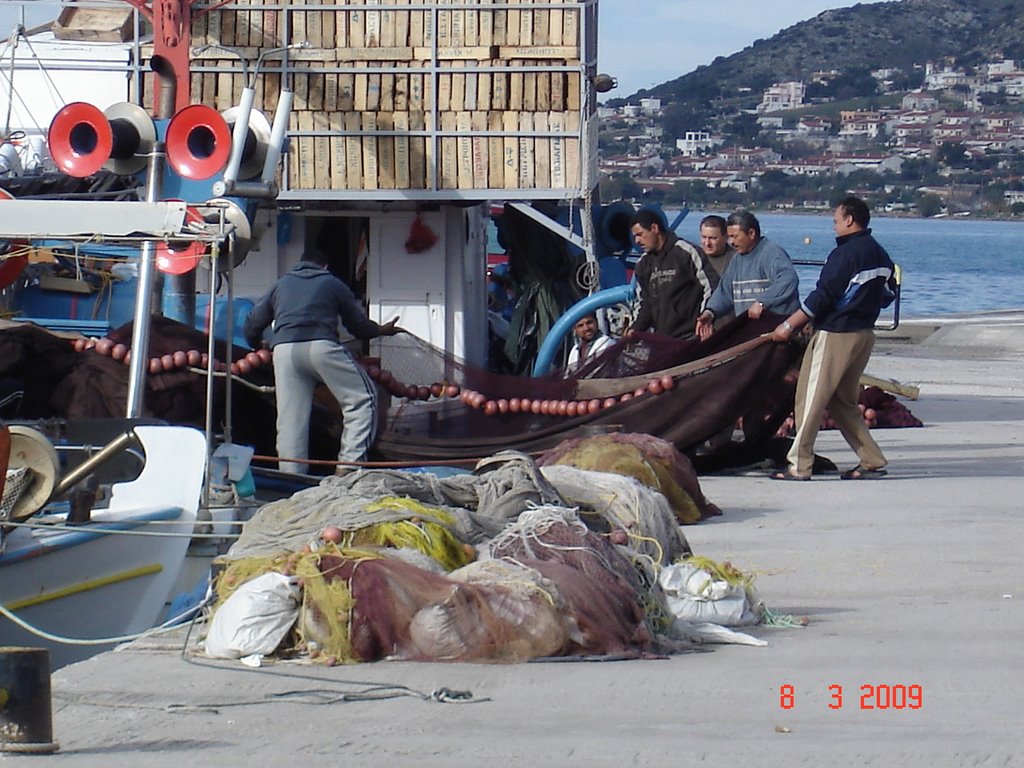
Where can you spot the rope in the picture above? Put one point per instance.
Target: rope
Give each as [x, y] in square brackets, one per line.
[94, 528]
[167, 626]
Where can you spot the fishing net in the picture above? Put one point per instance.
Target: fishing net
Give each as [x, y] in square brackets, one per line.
[650, 460]
[682, 391]
[609, 501]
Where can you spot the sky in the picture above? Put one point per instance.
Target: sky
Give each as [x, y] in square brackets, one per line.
[642, 43]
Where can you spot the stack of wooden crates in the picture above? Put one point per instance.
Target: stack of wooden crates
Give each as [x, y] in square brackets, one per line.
[393, 95]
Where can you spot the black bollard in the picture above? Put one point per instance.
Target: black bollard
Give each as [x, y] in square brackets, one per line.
[26, 719]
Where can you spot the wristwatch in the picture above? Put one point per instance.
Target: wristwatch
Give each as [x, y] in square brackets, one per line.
[787, 326]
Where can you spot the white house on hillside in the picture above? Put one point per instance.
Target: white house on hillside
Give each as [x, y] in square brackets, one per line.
[782, 96]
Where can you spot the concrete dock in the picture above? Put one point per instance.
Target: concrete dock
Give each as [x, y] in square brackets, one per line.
[913, 587]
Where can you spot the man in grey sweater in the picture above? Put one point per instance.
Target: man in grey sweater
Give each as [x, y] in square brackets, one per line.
[303, 307]
[760, 277]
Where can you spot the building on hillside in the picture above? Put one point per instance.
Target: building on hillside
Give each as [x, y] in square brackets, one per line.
[813, 125]
[650, 106]
[944, 77]
[696, 143]
[782, 96]
[996, 70]
[919, 100]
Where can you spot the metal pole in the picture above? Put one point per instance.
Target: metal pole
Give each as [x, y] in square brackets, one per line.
[144, 292]
[210, 350]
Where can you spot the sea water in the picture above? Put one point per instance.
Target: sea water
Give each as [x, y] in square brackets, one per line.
[950, 266]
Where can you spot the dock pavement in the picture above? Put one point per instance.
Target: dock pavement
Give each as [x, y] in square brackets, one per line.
[912, 585]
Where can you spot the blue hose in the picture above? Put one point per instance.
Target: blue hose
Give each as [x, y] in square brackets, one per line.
[606, 298]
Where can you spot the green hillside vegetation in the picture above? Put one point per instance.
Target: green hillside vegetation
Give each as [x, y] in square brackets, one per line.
[854, 41]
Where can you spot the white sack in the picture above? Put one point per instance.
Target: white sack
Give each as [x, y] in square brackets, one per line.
[255, 618]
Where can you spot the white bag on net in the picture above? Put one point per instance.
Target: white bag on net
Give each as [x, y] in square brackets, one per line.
[694, 595]
[255, 618]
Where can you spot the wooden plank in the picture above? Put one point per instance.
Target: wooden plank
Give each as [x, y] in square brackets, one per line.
[485, 35]
[315, 96]
[570, 29]
[543, 89]
[457, 30]
[387, 92]
[371, 168]
[481, 166]
[510, 150]
[373, 31]
[556, 122]
[495, 151]
[271, 90]
[322, 151]
[346, 91]
[341, 28]
[526, 27]
[499, 90]
[331, 92]
[464, 53]
[444, 92]
[573, 179]
[213, 27]
[225, 86]
[402, 165]
[386, 151]
[387, 25]
[401, 97]
[416, 35]
[499, 28]
[314, 26]
[515, 90]
[402, 21]
[527, 153]
[909, 391]
[356, 26]
[444, 29]
[360, 92]
[307, 156]
[353, 152]
[463, 124]
[483, 90]
[472, 27]
[538, 52]
[470, 91]
[572, 92]
[300, 87]
[541, 22]
[512, 27]
[228, 20]
[542, 152]
[328, 27]
[339, 166]
[458, 94]
[432, 154]
[416, 92]
[449, 161]
[417, 153]
[557, 91]
[360, 54]
[530, 91]
[373, 83]
[299, 34]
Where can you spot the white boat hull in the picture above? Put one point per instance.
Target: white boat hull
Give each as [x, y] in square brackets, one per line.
[86, 582]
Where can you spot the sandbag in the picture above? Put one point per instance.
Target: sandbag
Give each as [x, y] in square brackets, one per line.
[255, 618]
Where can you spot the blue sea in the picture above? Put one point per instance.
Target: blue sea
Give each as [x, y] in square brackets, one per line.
[950, 266]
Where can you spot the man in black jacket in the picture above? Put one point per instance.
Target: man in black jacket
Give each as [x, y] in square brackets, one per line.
[674, 279]
[856, 282]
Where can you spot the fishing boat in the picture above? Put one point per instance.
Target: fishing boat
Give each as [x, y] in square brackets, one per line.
[95, 535]
[392, 168]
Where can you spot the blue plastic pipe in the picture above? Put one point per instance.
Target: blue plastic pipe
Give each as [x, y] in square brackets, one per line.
[595, 301]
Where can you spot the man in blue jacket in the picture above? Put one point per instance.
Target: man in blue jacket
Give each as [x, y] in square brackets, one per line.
[304, 306]
[856, 282]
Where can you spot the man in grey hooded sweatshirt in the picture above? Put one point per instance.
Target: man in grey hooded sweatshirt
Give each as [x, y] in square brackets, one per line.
[303, 307]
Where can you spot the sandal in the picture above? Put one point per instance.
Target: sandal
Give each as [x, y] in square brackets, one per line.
[788, 476]
[862, 473]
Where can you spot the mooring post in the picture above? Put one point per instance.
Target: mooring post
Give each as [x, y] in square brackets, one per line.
[26, 717]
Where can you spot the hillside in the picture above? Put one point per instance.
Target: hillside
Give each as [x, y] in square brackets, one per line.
[864, 37]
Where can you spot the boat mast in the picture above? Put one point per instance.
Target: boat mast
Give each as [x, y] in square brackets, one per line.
[172, 40]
